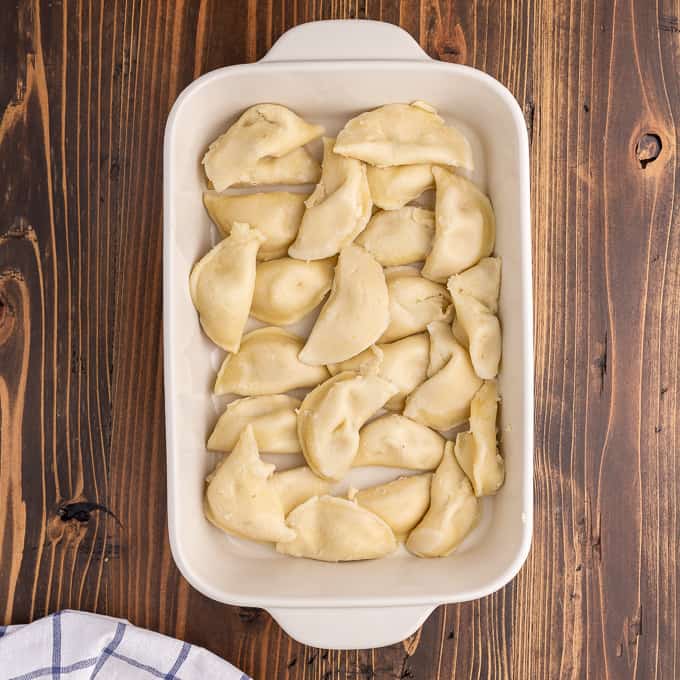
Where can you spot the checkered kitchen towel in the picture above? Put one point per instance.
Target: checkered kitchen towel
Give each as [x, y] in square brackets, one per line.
[73, 645]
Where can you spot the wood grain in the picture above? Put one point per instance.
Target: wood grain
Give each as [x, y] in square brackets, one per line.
[85, 88]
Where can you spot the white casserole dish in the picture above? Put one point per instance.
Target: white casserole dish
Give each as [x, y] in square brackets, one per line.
[329, 71]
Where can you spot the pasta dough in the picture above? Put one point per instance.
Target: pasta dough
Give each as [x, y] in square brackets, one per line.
[442, 345]
[400, 503]
[241, 498]
[330, 417]
[414, 302]
[403, 363]
[276, 215]
[286, 290]
[397, 441]
[355, 314]
[338, 209]
[337, 530]
[297, 485]
[459, 334]
[296, 167]
[365, 363]
[443, 401]
[273, 419]
[476, 450]
[397, 237]
[483, 331]
[222, 284]
[262, 130]
[267, 363]
[465, 227]
[394, 187]
[453, 512]
[482, 282]
[402, 134]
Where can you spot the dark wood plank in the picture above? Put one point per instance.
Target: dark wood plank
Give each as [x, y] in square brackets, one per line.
[84, 91]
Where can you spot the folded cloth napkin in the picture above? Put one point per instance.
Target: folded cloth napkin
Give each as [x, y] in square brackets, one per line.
[72, 645]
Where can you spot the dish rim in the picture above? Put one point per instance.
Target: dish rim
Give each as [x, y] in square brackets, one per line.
[438, 596]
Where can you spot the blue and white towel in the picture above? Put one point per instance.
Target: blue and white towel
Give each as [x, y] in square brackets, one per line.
[72, 645]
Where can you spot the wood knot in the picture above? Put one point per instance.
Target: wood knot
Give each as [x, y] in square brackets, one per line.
[81, 512]
[648, 149]
[248, 614]
[8, 316]
[453, 47]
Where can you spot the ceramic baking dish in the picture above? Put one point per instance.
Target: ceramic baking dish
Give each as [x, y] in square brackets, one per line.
[329, 71]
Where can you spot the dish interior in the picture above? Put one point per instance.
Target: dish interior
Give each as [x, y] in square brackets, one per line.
[242, 572]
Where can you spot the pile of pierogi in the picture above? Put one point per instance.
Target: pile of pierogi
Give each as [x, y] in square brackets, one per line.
[405, 344]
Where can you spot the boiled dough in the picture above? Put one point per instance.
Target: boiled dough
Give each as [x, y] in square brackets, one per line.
[241, 498]
[337, 530]
[286, 290]
[465, 227]
[222, 284]
[330, 417]
[262, 131]
[453, 512]
[338, 209]
[477, 450]
[274, 422]
[401, 503]
[355, 314]
[403, 134]
[398, 441]
[276, 215]
[443, 401]
[267, 363]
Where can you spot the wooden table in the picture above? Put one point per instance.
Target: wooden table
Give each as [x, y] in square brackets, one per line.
[85, 88]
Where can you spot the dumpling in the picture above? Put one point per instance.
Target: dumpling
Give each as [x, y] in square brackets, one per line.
[337, 530]
[443, 401]
[465, 227]
[296, 167]
[453, 512]
[355, 314]
[366, 362]
[262, 130]
[241, 497]
[267, 363]
[330, 417]
[414, 302]
[483, 331]
[286, 290]
[401, 503]
[442, 345]
[338, 209]
[273, 419]
[222, 284]
[401, 134]
[297, 485]
[397, 441]
[394, 187]
[276, 215]
[476, 451]
[396, 237]
[459, 334]
[403, 363]
[482, 282]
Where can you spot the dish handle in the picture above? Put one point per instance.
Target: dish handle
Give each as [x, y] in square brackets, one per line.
[345, 39]
[351, 627]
